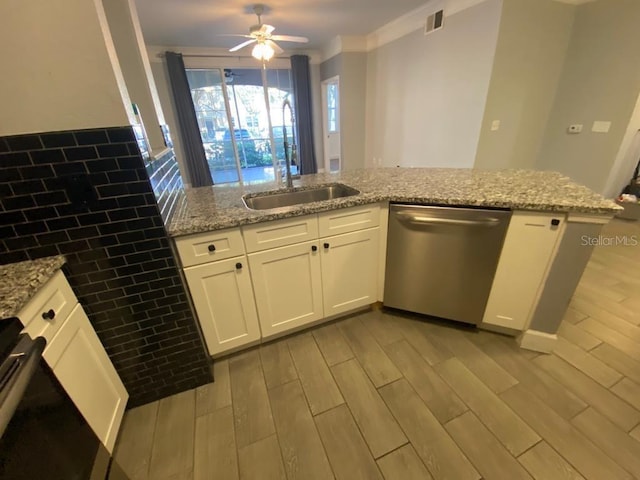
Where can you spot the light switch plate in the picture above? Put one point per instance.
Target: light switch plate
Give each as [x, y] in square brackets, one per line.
[495, 125]
[600, 126]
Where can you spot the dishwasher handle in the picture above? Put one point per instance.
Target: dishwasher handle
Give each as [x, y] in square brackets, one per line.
[425, 220]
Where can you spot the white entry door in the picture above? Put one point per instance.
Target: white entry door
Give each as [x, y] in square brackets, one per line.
[331, 124]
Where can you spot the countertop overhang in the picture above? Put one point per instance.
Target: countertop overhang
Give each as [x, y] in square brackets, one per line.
[206, 209]
[19, 282]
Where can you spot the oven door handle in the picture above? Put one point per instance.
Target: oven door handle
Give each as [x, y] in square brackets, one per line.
[16, 373]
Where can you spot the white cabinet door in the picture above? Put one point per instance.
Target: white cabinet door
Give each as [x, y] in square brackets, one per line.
[524, 262]
[287, 286]
[223, 299]
[350, 270]
[83, 368]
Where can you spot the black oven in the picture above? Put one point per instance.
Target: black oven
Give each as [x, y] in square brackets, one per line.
[43, 435]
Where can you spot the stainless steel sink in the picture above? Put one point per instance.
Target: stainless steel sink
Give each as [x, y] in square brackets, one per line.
[297, 196]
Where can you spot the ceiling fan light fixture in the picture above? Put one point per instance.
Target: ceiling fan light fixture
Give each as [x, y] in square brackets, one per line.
[263, 52]
[262, 35]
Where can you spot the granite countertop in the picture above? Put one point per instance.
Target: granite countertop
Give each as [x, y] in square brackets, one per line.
[214, 208]
[19, 282]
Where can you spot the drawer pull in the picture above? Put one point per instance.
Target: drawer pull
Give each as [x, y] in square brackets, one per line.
[50, 315]
[212, 248]
[314, 248]
[555, 222]
[238, 266]
[326, 245]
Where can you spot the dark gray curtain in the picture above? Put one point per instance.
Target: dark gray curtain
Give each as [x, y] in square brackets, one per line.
[302, 102]
[196, 160]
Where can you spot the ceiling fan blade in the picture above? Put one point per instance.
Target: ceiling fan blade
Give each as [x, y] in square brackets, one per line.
[290, 38]
[233, 35]
[242, 45]
[275, 46]
[267, 29]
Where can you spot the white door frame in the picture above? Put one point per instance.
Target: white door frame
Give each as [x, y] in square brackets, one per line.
[325, 133]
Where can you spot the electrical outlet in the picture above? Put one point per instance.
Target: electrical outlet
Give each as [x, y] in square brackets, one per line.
[495, 125]
[575, 128]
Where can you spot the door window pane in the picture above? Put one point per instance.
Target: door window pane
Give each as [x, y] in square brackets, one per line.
[208, 101]
[332, 107]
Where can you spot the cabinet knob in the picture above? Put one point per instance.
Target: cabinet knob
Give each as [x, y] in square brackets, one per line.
[212, 248]
[50, 315]
[326, 245]
[555, 222]
[314, 248]
[238, 266]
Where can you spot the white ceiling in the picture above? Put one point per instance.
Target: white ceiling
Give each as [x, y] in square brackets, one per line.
[196, 23]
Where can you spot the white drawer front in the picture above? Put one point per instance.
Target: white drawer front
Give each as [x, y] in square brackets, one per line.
[279, 233]
[347, 220]
[210, 246]
[55, 296]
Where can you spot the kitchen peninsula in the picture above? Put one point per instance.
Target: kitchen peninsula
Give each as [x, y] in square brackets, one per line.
[311, 262]
[206, 209]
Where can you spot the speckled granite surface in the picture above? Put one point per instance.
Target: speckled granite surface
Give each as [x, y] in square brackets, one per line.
[19, 282]
[213, 208]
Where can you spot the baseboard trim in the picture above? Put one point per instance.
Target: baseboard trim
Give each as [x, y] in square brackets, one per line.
[537, 341]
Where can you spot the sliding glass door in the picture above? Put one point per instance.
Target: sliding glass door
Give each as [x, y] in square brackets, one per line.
[240, 118]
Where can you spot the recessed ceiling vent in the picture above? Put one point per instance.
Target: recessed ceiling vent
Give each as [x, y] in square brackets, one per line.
[434, 22]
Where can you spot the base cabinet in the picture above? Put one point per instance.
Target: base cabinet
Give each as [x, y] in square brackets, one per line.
[288, 286]
[301, 270]
[349, 265]
[307, 268]
[527, 253]
[76, 356]
[223, 299]
[83, 368]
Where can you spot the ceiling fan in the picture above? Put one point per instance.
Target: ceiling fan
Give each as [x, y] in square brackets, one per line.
[261, 35]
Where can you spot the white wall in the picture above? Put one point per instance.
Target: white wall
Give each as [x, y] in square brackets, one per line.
[161, 79]
[351, 69]
[353, 96]
[425, 95]
[530, 54]
[316, 110]
[63, 73]
[600, 81]
[132, 56]
[331, 67]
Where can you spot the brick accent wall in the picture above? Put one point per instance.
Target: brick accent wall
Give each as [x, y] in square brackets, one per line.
[86, 194]
[164, 174]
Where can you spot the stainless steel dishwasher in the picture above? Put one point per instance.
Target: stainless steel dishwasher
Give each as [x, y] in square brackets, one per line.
[441, 260]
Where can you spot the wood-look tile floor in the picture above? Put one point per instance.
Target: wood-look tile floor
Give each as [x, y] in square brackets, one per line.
[383, 395]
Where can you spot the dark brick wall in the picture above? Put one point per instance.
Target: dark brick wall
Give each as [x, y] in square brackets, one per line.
[86, 194]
